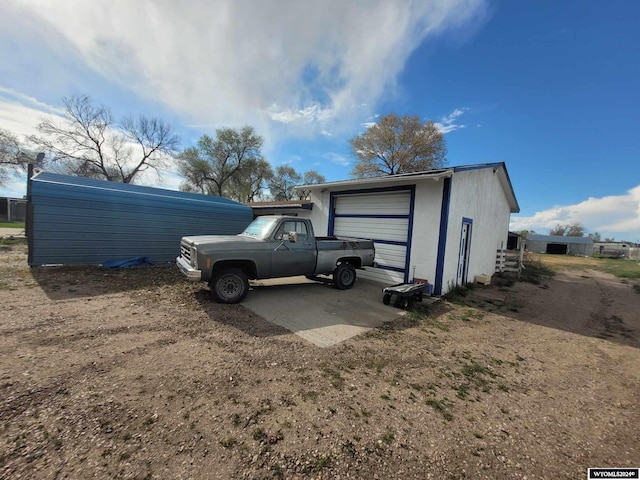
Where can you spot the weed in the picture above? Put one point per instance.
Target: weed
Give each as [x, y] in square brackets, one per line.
[259, 435]
[349, 448]
[385, 396]
[388, 438]
[416, 386]
[332, 410]
[478, 435]
[124, 456]
[441, 407]
[357, 438]
[503, 387]
[318, 464]
[228, 442]
[534, 271]
[236, 420]
[309, 395]
[334, 377]
[462, 391]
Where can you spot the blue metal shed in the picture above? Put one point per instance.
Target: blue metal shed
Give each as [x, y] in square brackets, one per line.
[76, 220]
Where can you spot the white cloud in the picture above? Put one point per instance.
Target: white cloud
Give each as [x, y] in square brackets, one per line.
[337, 159]
[275, 65]
[448, 122]
[615, 216]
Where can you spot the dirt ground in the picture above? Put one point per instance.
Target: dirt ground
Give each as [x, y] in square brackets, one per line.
[137, 374]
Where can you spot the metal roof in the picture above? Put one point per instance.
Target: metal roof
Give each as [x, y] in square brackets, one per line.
[558, 239]
[427, 175]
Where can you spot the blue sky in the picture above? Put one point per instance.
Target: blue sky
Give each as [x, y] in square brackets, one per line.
[551, 88]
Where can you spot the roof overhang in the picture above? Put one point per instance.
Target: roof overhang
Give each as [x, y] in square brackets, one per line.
[282, 205]
[433, 175]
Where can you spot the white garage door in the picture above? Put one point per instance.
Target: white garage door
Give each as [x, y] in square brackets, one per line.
[383, 217]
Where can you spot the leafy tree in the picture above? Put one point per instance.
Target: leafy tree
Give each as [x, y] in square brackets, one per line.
[398, 145]
[575, 230]
[283, 182]
[216, 165]
[311, 177]
[249, 182]
[595, 237]
[558, 230]
[89, 143]
[13, 156]
[569, 230]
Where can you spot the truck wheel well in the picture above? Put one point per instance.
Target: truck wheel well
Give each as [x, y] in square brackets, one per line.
[247, 266]
[355, 261]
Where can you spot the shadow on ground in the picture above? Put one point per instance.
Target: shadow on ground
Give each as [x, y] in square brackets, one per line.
[69, 282]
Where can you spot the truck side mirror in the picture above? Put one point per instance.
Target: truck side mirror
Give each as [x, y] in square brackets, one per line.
[293, 237]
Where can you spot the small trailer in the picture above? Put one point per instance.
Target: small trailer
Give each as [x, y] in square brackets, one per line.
[406, 293]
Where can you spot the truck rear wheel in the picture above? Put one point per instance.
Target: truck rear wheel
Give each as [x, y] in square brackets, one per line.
[229, 286]
[344, 276]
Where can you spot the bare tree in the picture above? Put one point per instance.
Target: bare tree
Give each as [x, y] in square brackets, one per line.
[89, 143]
[283, 182]
[311, 177]
[211, 165]
[398, 145]
[13, 156]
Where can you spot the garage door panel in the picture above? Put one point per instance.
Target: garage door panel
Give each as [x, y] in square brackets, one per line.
[390, 255]
[383, 217]
[386, 277]
[390, 229]
[396, 203]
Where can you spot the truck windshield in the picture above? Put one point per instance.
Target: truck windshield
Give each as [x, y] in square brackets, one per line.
[260, 228]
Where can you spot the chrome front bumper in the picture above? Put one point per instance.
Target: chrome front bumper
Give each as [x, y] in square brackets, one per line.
[188, 271]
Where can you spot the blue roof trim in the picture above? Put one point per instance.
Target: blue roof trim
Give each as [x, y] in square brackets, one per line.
[442, 240]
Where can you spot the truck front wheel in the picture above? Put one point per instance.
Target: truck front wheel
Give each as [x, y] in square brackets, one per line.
[344, 276]
[229, 286]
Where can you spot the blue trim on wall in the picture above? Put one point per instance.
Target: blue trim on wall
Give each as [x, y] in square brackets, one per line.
[390, 242]
[364, 215]
[412, 204]
[332, 214]
[392, 269]
[467, 220]
[442, 239]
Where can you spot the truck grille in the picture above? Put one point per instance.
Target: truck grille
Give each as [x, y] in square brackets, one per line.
[185, 252]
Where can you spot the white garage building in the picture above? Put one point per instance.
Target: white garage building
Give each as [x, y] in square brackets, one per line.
[446, 224]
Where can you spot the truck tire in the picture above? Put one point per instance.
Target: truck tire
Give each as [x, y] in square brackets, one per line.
[229, 286]
[344, 276]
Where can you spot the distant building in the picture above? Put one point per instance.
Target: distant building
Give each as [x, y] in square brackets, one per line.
[556, 244]
[616, 249]
[12, 209]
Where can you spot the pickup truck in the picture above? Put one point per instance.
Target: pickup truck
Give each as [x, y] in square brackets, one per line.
[271, 246]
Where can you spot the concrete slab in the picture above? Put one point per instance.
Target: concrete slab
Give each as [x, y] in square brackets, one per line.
[12, 232]
[318, 312]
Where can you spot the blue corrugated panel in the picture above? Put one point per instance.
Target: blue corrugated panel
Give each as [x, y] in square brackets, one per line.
[82, 221]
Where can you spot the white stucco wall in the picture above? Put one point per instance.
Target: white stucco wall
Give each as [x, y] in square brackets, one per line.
[426, 229]
[478, 195]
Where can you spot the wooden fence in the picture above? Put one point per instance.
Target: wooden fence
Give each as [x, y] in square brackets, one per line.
[510, 260]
